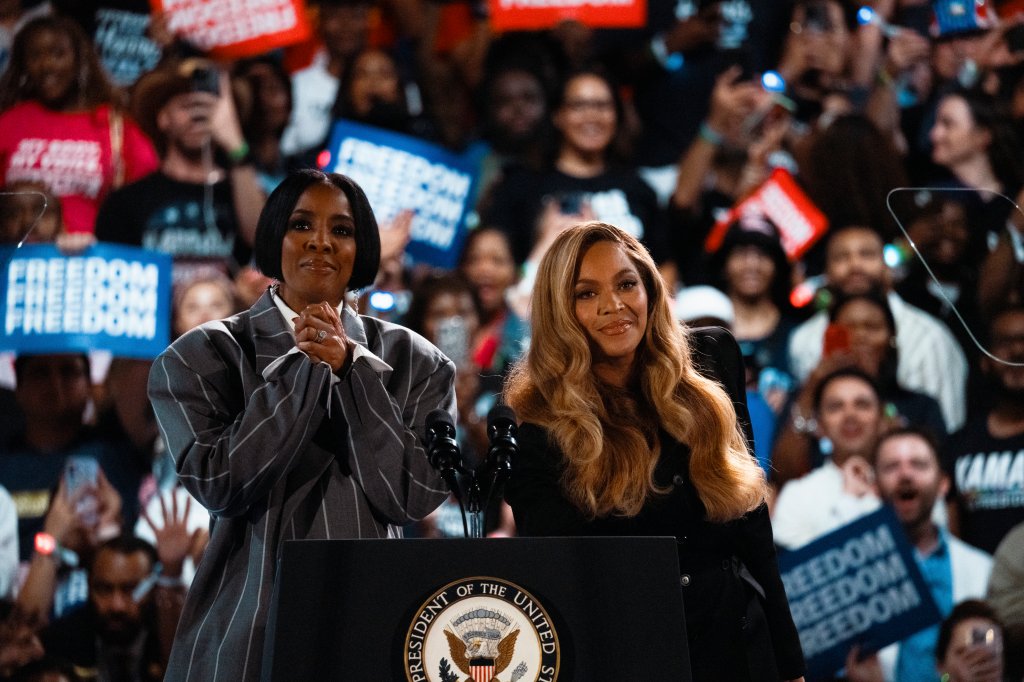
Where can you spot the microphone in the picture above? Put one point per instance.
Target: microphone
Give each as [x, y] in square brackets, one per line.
[501, 432]
[442, 450]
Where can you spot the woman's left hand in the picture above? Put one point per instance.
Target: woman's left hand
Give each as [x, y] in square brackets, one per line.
[320, 335]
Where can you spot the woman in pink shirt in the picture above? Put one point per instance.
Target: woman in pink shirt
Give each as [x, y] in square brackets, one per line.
[62, 123]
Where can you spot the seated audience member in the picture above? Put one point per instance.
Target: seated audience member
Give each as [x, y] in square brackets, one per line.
[911, 481]
[488, 265]
[56, 582]
[970, 646]
[585, 178]
[8, 544]
[372, 92]
[53, 392]
[931, 361]
[125, 631]
[515, 102]
[264, 91]
[201, 206]
[1006, 595]
[754, 272]
[202, 297]
[862, 334]
[986, 458]
[62, 123]
[444, 311]
[938, 226]
[871, 329]
[342, 27]
[847, 412]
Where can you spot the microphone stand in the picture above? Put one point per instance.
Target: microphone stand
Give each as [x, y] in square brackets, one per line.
[476, 512]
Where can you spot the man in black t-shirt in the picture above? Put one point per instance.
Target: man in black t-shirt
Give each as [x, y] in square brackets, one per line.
[201, 207]
[986, 458]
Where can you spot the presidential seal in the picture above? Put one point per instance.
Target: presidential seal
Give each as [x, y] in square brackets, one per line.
[481, 630]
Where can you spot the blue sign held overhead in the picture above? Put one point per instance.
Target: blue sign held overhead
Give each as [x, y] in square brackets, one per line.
[400, 172]
[859, 585]
[115, 298]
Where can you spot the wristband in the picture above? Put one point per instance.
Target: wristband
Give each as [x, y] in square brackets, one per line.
[670, 61]
[241, 155]
[47, 546]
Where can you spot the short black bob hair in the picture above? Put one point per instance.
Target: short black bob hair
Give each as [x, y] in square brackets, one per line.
[273, 224]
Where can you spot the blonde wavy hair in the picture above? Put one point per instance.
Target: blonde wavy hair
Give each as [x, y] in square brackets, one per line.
[610, 445]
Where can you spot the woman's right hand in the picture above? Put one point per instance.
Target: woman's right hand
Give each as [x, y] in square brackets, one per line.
[320, 335]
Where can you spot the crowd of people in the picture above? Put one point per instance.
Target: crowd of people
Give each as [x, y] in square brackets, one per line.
[883, 361]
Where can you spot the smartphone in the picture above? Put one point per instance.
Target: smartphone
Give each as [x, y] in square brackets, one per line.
[837, 340]
[983, 636]
[206, 79]
[453, 339]
[80, 471]
[83, 472]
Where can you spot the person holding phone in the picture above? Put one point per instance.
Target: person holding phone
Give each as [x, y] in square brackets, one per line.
[970, 647]
[862, 334]
[202, 205]
[55, 445]
[296, 419]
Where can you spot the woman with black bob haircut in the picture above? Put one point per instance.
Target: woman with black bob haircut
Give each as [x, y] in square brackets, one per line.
[296, 419]
[273, 225]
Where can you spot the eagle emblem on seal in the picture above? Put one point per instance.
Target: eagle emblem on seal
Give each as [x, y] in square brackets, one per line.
[481, 643]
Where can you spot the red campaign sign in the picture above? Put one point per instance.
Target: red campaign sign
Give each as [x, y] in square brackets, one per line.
[780, 199]
[233, 29]
[528, 15]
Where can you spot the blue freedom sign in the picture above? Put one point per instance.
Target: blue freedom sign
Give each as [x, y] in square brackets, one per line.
[400, 172]
[859, 585]
[115, 298]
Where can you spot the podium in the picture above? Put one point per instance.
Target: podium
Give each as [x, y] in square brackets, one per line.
[519, 609]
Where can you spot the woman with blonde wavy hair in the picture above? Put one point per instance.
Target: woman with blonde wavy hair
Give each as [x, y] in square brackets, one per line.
[622, 434]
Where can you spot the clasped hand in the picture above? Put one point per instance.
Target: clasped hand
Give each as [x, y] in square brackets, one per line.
[320, 335]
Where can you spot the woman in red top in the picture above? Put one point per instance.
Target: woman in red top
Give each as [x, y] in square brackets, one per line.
[62, 123]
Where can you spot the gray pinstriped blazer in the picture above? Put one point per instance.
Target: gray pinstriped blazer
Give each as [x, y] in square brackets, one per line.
[243, 442]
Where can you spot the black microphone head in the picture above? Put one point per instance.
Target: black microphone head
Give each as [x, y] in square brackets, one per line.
[438, 417]
[501, 417]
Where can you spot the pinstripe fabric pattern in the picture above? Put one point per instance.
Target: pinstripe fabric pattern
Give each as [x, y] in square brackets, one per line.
[243, 445]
